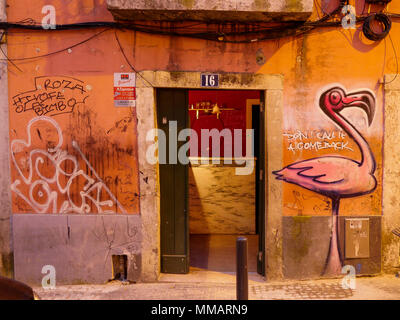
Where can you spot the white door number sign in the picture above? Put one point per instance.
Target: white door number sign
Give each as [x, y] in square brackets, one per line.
[209, 80]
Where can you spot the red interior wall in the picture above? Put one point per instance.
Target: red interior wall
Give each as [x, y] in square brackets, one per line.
[230, 119]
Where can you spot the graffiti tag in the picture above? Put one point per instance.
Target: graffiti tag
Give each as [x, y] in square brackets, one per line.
[52, 96]
[53, 178]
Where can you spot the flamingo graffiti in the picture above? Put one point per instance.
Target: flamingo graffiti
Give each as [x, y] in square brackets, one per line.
[334, 176]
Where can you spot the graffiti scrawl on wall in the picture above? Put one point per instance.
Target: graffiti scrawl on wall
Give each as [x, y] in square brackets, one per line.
[52, 96]
[317, 140]
[53, 179]
[338, 177]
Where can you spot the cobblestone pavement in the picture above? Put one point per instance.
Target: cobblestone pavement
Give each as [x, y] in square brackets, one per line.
[385, 287]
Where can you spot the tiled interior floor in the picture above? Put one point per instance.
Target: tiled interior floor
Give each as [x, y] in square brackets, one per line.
[215, 252]
[198, 275]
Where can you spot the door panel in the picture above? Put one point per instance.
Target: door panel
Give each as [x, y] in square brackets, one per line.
[261, 187]
[172, 106]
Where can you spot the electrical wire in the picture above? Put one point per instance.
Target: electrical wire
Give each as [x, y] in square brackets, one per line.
[365, 5]
[397, 62]
[127, 60]
[61, 50]
[290, 28]
[4, 54]
[371, 34]
[318, 8]
[141, 28]
[238, 33]
[284, 29]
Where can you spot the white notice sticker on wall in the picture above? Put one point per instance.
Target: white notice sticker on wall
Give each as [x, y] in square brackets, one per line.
[124, 89]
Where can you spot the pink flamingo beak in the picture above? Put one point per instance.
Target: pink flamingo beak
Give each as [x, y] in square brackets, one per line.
[362, 99]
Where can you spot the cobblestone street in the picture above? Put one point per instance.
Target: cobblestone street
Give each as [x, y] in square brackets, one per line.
[202, 285]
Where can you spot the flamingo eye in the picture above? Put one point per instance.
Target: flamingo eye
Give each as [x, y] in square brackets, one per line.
[335, 98]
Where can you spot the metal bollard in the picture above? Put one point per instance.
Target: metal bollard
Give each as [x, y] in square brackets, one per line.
[242, 280]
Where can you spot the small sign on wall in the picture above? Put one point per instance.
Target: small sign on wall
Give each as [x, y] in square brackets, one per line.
[125, 89]
[209, 80]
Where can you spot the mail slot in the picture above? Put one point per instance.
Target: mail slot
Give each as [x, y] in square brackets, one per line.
[357, 238]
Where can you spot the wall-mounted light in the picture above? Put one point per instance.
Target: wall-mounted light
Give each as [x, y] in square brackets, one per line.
[208, 108]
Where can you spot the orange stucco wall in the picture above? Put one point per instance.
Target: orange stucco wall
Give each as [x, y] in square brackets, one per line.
[106, 135]
[93, 166]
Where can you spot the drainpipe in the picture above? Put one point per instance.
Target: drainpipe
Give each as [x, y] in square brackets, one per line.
[6, 251]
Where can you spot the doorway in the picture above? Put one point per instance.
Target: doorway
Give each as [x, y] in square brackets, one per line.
[204, 204]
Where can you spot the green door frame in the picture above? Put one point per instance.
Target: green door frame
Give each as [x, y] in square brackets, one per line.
[174, 220]
[260, 180]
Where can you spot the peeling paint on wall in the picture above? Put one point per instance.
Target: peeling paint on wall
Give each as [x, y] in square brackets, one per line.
[62, 160]
[38, 168]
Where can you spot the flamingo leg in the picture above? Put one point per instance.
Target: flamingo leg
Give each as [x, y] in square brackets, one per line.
[333, 266]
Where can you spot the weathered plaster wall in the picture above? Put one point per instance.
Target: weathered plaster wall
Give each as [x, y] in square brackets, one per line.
[314, 62]
[303, 247]
[73, 153]
[208, 10]
[273, 191]
[149, 186]
[79, 247]
[67, 158]
[247, 5]
[6, 252]
[308, 64]
[391, 201]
